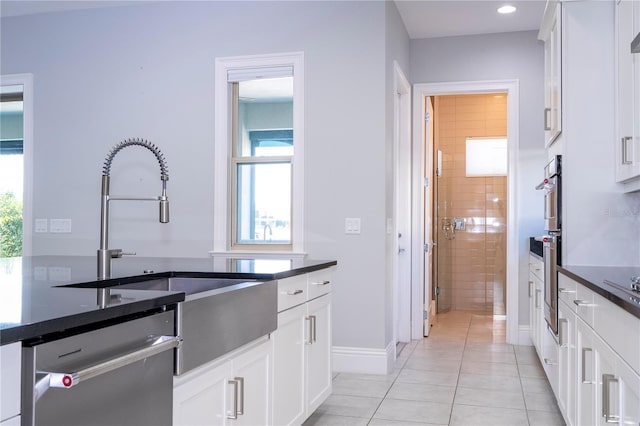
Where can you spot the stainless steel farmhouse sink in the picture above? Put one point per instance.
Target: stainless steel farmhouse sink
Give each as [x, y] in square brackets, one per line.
[217, 316]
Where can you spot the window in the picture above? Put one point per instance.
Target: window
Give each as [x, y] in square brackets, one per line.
[259, 154]
[486, 157]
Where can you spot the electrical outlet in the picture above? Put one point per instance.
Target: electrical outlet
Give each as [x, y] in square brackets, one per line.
[60, 226]
[352, 225]
[41, 225]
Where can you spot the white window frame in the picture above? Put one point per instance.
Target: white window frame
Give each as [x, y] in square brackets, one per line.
[222, 181]
[26, 81]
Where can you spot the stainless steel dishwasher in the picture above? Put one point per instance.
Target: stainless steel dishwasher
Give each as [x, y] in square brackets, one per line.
[121, 375]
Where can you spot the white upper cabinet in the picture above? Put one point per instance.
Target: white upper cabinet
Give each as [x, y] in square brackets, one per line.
[627, 142]
[551, 34]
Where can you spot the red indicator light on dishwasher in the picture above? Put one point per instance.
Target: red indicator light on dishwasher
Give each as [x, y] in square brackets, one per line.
[546, 181]
[67, 381]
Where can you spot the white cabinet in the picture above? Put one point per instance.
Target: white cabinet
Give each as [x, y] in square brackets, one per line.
[598, 383]
[536, 300]
[232, 389]
[10, 371]
[302, 347]
[566, 361]
[551, 34]
[627, 110]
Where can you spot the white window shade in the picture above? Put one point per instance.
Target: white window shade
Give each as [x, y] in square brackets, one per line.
[486, 157]
[244, 74]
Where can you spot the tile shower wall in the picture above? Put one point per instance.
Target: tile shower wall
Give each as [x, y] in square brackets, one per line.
[474, 264]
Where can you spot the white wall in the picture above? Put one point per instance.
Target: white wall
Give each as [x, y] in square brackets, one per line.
[147, 70]
[519, 56]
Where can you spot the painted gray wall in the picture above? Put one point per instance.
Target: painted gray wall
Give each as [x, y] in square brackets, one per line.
[517, 55]
[147, 70]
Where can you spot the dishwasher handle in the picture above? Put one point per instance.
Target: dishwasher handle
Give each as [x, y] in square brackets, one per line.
[152, 347]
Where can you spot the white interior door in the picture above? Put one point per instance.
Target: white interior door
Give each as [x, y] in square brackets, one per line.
[429, 306]
[402, 209]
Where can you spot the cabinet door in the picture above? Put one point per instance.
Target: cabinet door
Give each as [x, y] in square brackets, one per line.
[288, 367]
[318, 351]
[252, 375]
[566, 361]
[627, 146]
[200, 396]
[630, 394]
[553, 79]
[586, 379]
[608, 390]
[538, 314]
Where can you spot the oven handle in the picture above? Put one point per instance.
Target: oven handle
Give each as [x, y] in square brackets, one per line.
[153, 346]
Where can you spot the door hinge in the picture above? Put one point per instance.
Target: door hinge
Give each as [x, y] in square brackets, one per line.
[427, 117]
[426, 182]
[437, 290]
[425, 247]
[425, 315]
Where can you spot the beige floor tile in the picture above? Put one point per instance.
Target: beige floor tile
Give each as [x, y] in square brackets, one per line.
[541, 402]
[527, 358]
[489, 382]
[443, 365]
[545, 418]
[414, 411]
[422, 392]
[345, 386]
[489, 346]
[489, 368]
[352, 406]
[324, 419]
[466, 415]
[388, 378]
[480, 355]
[489, 398]
[535, 385]
[385, 422]
[531, 370]
[427, 377]
[433, 353]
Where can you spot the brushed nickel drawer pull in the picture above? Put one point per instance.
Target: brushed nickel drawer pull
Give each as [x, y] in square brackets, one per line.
[325, 282]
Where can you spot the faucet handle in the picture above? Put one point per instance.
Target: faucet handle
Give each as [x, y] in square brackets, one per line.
[118, 253]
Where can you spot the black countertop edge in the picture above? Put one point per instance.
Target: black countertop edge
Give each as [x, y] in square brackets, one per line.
[623, 299]
[59, 325]
[113, 282]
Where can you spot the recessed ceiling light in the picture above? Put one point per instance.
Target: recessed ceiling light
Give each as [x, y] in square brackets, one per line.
[507, 9]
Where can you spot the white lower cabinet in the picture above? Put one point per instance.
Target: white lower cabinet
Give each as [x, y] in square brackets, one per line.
[234, 389]
[596, 384]
[302, 350]
[10, 371]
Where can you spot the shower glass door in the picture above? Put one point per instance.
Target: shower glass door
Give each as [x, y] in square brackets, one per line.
[444, 233]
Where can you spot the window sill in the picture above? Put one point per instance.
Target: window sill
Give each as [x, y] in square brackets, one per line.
[242, 254]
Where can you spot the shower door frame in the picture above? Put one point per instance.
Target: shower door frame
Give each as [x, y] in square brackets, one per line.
[423, 165]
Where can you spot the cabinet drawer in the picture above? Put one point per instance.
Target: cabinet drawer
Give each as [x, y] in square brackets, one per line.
[291, 292]
[619, 329]
[319, 283]
[584, 303]
[536, 266]
[567, 289]
[10, 363]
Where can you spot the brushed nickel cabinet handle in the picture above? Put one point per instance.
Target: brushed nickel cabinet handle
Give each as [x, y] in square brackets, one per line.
[293, 292]
[240, 410]
[607, 379]
[584, 303]
[538, 292]
[584, 368]
[564, 290]
[310, 318]
[547, 113]
[530, 285]
[325, 282]
[234, 413]
[561, 333]
[625, 150]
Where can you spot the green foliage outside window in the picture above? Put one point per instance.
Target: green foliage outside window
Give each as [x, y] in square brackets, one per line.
[10, 226]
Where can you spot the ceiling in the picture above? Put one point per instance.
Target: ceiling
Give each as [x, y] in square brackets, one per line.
[422, 18]
[444, 18]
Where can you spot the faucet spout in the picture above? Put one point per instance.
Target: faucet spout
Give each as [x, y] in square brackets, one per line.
[104, 253]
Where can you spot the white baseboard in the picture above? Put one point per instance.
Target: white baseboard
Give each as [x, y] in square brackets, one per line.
[363, 360]
[524, 338]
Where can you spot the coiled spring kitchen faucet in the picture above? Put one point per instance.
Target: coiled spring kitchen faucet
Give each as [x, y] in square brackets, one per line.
[104, 253]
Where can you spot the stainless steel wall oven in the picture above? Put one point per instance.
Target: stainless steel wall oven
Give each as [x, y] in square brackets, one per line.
[552, 241]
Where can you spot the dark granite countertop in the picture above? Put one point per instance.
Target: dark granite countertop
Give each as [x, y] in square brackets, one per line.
[32, 303]
[610, 282]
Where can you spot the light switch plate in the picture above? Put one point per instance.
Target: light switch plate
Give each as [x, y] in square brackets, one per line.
[60, 226]
[352, 225]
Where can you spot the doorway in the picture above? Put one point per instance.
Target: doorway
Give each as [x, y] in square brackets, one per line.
[470, 203]
[424, 164]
